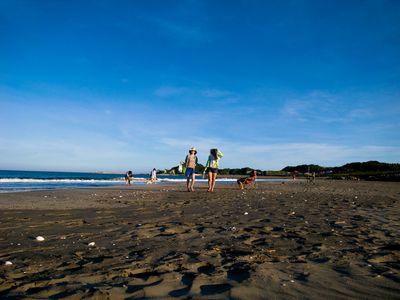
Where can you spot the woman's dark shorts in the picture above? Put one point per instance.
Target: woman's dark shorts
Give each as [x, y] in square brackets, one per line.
[213, 170]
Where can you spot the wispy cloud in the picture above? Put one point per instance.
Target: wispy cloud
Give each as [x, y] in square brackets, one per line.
[215, 93]
[218, 95]
[91, 152]
[279, 155]
[167, 91]
[326, 107]
[178, 31]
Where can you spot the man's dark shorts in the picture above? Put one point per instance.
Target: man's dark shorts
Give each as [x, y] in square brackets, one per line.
[189, 172]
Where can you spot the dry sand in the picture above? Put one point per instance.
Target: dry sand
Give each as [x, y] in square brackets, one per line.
[333, 239]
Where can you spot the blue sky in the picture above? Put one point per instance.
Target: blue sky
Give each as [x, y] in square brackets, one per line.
[117, 85]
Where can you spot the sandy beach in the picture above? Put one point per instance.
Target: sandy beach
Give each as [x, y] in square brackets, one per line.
[334, 239]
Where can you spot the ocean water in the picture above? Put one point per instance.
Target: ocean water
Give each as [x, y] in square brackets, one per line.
[19, 181]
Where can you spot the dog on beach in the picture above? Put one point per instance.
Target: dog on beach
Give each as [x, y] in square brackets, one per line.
[242, 182]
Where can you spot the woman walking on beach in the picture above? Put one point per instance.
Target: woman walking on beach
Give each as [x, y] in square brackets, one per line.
[212, 167]
[153, 174]
[191, 162]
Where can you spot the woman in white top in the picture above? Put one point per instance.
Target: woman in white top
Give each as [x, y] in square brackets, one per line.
[154, 175]
[212, 168]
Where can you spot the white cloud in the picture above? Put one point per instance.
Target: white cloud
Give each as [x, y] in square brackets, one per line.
[178, 31]
[215, 93]
[279, 155]
[168, 91]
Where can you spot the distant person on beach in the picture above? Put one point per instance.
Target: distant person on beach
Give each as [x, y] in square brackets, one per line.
[212, 167]
[128, 177]
[311, 178]
[190, 163]
[153, 176]
[250, 180]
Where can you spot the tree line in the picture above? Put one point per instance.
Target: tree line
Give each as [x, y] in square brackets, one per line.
[360, 169]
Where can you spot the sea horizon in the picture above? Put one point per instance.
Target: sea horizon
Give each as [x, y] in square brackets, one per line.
[23, 181]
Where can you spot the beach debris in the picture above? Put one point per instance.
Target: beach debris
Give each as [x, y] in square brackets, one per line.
[120, 196]
[8, 263]
[91, 244]
[39, 238]
[246, 213]
[233, 228]
[340, 222]
[292, 213]
[63, 237]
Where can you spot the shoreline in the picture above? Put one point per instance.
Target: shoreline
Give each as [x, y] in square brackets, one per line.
[334, 239]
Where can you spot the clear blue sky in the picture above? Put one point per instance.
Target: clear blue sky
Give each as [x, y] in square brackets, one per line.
[117, 85]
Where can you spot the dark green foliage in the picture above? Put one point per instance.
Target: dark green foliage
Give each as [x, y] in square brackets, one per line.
[199, 168]
[368, 166]
[242, 171]
[305, 169]
[370, 170]
[373, 170]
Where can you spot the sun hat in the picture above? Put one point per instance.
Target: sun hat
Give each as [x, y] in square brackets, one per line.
[193, 149]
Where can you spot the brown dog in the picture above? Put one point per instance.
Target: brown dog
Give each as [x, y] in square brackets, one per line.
[247, 180]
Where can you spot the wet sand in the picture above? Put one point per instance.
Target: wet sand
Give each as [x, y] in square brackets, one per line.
[334, 239]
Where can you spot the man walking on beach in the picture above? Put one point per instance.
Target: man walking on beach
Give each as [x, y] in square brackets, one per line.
[191, 162]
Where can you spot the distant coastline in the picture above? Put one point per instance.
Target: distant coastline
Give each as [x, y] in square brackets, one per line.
[369, 170]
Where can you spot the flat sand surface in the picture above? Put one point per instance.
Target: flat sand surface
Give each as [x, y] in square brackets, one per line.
[331, 240]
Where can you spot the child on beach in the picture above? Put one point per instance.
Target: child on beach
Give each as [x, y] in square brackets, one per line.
[247, 180]
[212, 168]
[128, 177]
[190, 163]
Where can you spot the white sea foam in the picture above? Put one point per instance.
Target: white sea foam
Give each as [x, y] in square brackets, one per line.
[33, 180]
